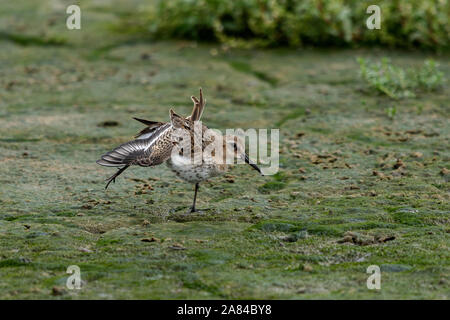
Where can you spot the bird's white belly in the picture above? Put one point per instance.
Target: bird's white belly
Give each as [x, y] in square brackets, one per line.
[191, 172]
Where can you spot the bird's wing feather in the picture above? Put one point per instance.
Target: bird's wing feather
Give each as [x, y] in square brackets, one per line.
[150, 129]
[144, 151]
[199, 105]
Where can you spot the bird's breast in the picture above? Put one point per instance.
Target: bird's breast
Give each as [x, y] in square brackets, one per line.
[192, 172]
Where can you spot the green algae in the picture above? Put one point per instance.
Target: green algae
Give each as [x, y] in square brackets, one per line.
[255, 237]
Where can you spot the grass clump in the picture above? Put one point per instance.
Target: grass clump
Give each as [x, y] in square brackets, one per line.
[397, 82]
[28, 40]
[279, 182]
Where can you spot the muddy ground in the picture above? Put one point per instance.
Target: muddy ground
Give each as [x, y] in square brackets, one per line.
[355, 187]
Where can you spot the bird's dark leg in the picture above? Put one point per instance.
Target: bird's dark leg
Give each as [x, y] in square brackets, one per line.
[195, 198]
[114, 176]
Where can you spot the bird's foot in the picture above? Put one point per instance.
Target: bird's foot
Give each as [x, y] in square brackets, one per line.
[199, 211]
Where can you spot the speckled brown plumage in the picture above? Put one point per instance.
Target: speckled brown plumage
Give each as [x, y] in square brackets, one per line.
[155, 144]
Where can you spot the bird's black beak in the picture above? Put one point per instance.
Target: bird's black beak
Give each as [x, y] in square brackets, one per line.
[254, 166]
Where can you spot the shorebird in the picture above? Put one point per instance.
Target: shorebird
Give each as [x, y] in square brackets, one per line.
[161, 142]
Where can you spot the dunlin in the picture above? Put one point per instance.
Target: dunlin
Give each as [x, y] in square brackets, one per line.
[161, 142]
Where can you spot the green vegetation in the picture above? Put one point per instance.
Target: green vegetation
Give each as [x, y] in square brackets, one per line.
[247, 23]
[397, 82]
[354, 188]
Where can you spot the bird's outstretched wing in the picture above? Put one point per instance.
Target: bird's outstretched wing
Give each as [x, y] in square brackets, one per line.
[152, 145]
[144, 152]
[149, 130]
